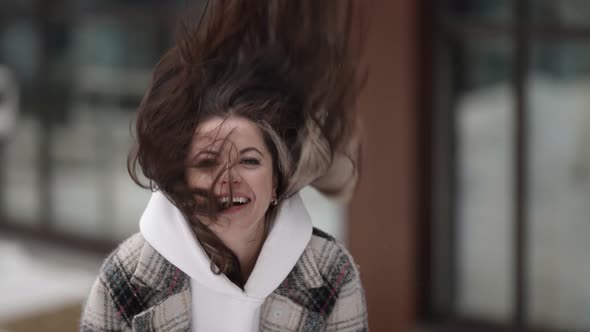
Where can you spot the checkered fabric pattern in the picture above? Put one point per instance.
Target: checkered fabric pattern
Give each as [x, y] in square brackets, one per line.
[139, 290]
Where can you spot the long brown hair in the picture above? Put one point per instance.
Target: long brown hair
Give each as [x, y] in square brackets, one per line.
[291, 67]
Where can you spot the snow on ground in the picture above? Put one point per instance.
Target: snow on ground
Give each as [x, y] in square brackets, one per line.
[36, 278]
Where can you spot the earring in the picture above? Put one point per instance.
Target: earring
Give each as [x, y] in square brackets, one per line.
[274, 202]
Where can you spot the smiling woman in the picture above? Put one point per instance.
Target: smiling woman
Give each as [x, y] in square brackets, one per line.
[239, 174]
[240, 115]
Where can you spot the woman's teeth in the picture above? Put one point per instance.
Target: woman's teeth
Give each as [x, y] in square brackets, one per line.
[237, 200]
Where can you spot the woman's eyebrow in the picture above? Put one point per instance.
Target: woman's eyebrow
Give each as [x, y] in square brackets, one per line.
[206, 152]
[251, 148]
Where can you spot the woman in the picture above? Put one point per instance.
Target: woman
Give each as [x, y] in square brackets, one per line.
[246, 109]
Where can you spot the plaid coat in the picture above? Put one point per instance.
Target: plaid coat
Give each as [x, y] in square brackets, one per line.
[139, 290]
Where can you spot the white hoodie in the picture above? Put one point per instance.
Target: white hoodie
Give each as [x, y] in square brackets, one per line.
[217, 303]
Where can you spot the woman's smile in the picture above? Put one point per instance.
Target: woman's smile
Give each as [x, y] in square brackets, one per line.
[233, 204]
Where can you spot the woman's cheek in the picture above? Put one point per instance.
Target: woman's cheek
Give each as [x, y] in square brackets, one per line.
[197, 180]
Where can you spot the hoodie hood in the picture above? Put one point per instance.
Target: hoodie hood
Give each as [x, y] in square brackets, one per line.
[164, 227]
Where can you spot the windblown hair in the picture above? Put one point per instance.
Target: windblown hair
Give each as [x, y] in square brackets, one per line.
[291, 67]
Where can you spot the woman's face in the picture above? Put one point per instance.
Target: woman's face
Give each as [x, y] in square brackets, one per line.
[250, 176]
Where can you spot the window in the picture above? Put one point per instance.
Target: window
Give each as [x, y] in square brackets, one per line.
[80, 69]
[511, 164]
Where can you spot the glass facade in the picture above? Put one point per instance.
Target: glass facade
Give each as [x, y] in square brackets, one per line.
[478, 9]
[72, 74]
[80, 70]
[485, 176]
[512, 119]
[559, 178]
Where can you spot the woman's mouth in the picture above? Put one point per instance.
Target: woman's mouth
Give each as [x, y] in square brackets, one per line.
[232, 204]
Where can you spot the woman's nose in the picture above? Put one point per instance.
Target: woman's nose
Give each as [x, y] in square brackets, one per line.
[230, 176]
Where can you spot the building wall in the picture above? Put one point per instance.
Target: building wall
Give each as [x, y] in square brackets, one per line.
[383, 214]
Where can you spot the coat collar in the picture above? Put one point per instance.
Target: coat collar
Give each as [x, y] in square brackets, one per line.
[172, 286]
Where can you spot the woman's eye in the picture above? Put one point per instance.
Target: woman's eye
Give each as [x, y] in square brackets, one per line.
[207, 163]
[250, 161]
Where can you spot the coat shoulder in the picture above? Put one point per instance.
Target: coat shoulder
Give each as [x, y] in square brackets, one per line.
[334, 262]
[113, 299]
[137, 266]
[125, 258]
[331, 255]
[346, 310]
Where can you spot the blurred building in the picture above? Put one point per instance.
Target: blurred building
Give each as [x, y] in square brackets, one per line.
[471, 210]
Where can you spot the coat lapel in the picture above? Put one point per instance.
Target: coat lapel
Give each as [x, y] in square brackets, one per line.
[298, 303]
[168, 301]
[171, 315]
